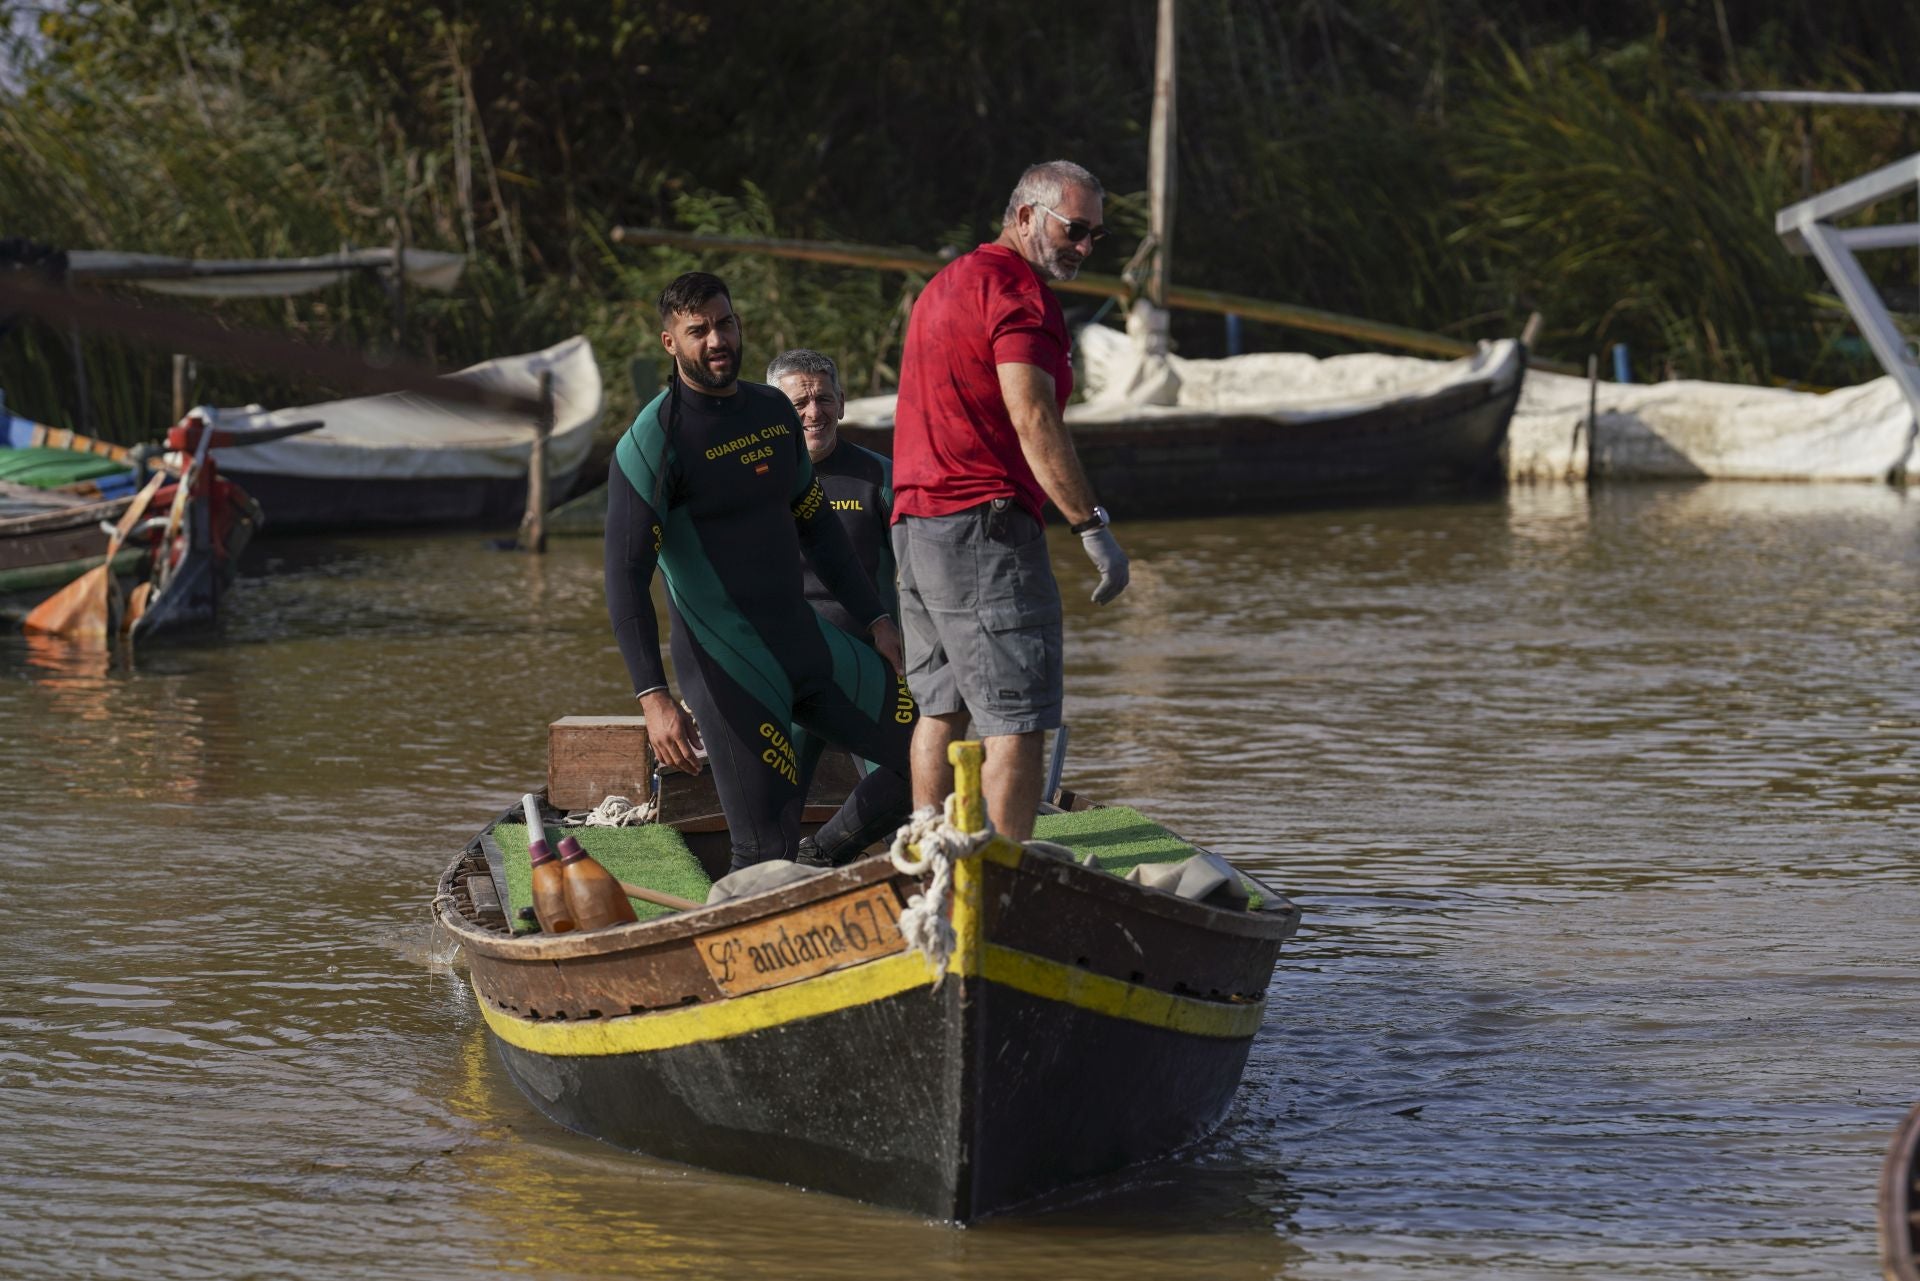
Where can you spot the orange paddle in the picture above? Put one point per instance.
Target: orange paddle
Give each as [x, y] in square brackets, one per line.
[84, 607]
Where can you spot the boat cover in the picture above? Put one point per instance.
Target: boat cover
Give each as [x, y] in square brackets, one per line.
[1131, 377]
[406, 436]
[1702, 430]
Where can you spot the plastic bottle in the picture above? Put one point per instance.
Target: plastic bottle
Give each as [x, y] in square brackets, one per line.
[593, 895]
[549, 882]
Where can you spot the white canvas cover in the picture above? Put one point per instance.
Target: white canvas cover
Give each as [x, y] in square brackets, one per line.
[261, 278]
[1132, 377]
[1687, 429]
[403, 436]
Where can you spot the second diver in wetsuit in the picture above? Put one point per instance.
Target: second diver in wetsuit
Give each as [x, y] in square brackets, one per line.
[858, 484]
[713, 484]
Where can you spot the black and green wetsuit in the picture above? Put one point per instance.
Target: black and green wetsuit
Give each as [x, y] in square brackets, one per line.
[858, 484]
[719, 493]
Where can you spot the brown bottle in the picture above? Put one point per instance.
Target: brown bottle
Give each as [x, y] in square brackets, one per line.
[593, 895]
[549, 883]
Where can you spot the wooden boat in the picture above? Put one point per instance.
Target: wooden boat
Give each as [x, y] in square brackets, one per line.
[405, 460]
[1900, 1203]
[186, 551]
[1274, 442]
[48, 539]
[1082, 1022]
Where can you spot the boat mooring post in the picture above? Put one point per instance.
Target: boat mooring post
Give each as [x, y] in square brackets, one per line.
[1589, 422]
[533, 526]
[970, 805]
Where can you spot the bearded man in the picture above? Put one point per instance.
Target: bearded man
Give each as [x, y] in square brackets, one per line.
[713, 485]
[979, 446]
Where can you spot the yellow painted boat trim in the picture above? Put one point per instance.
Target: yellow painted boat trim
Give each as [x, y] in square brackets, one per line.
[1098, 994]
[754, 1012]
[862, 985]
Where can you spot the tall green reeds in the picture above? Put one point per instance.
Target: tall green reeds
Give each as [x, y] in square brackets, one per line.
[1450, 167]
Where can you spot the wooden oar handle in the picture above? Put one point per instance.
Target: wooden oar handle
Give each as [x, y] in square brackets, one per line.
[645, 895]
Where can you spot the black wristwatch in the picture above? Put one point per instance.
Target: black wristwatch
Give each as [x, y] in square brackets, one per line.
[1096, 521]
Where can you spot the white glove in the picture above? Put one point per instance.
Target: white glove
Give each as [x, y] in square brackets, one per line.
[1104, 551]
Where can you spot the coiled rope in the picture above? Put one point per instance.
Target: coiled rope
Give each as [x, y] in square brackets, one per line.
[616, 811]
[925, 924]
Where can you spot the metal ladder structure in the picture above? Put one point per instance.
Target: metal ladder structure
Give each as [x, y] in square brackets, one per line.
[1808, 228]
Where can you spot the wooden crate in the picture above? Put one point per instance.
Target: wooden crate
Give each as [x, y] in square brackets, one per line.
[590, 758]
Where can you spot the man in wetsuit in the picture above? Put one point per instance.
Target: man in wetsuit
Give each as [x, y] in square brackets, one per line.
[712, 483]
[979, 446]
[858, 484]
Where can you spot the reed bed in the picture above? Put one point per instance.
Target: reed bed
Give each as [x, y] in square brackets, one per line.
[1447, 167]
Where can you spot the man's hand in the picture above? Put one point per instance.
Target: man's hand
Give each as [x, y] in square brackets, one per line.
[671, 732]
[886, 639]
[1104, 551]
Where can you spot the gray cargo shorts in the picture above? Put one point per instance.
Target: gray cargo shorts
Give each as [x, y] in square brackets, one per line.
[980, 617]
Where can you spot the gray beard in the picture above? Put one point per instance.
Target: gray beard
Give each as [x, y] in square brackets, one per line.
[1051, 261]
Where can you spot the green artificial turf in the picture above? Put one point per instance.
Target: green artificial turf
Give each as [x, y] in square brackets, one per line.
[650, 855]
[1119, 835]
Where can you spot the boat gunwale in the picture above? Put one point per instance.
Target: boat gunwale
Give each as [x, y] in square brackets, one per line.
[1278, 917]
[63, 517]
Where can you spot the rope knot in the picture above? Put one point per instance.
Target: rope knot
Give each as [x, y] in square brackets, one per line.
[924, 923]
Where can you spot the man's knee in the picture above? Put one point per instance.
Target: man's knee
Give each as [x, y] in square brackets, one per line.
[1014, 749]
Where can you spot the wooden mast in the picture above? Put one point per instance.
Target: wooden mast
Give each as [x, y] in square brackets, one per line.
[1160, 170]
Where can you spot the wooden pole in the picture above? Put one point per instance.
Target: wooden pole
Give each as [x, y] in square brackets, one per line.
[1160, 162]
[80, 376]
[179, 386]
[533, 526]
[908, 260]
[398, 283]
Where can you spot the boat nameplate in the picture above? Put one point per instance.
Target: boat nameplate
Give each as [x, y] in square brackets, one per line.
[842, 931]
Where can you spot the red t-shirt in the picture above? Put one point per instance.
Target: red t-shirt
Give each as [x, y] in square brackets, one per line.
[954, 446]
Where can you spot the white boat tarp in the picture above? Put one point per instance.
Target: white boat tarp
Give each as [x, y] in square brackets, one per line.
[1132, 377]
[402, 436]
[1702, 430]
[261, 277]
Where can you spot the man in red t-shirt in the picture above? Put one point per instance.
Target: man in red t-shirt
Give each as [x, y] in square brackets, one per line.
[978, 447]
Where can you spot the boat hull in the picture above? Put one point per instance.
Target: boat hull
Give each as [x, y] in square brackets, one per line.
[1215, 463]
[1899, 1202]
[1082, 1025]
[315, 503]
[1178, 466]
[1025, 1100]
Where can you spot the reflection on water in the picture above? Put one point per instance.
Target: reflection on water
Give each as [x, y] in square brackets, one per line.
[1601, 808]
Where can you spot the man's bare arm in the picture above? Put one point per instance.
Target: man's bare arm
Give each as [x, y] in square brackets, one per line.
[1029, 393]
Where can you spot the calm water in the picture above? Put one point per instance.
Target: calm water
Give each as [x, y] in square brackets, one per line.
[1603, 813]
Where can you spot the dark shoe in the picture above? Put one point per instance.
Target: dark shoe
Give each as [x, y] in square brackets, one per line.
[810, 854]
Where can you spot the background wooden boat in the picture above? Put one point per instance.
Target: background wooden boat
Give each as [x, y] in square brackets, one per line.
[186, 551]
[1439, 432]
[1084, 1023]
[404, 460]
[49, 539]
[1900, 1203]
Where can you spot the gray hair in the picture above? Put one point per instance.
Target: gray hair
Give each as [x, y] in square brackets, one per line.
[803, 360]
[1044, 184]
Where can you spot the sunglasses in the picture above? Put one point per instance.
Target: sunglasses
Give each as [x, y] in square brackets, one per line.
[1077, 230]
